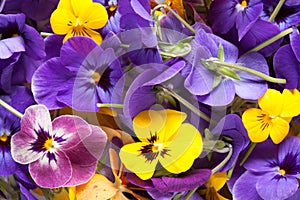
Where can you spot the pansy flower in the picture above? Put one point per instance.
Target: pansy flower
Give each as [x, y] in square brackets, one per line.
[62, 153]
[165, 140]
[79, 18]
[273, 117]
[272, 172]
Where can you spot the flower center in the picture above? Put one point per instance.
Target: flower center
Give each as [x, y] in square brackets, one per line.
[49, 143]
[3, 137]
[266, 120]
[96, 77]
[244, 3]
[282, 171]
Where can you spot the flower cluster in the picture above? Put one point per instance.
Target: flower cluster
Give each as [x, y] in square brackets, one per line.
[150, 99]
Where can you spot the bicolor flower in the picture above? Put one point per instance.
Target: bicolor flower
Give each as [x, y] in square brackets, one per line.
[273, 117]
[79, 18]
[165, 140]
[60, 154]
[272, 172]
[83, 71]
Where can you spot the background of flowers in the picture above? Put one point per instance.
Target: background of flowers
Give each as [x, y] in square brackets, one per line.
[212, 64]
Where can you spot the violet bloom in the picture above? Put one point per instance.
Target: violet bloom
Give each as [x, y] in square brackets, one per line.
[22, 50]
[272, 171]
[83, 71]
[214, 87]
[241, 14]
[42, 8]
[60, 154]
[289, 13]
[287, 62]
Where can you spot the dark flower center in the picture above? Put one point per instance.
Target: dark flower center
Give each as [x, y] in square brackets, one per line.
[104, 79]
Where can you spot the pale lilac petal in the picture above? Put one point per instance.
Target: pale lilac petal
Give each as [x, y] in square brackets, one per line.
[276, 187]
[70, 128]
[51, 172]
[244, 188]
[11, 45]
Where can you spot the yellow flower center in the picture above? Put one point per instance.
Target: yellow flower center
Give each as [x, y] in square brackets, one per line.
[112, 8]
[282, 171]
[244, 3]
[157, 147]
[266, 120]
[96, 77]
[49, 143]
[3, 137]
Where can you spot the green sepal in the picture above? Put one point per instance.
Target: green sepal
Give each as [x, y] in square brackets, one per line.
[229, 73]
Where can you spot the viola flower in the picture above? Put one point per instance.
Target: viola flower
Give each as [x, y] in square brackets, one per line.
[164, 140]
[272, 172]
[240, 14]
[79, 18]
[42, 8]
[273, 117]
[289, 69]
[60, 154]
[288, 15]
[83, 71]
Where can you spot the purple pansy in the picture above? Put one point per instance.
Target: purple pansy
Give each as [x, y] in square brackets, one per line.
[61, 153]
[42, 8]
[22, 50]
[288, 15]
[272, 171]
[240, 14]
[83, 71]
[216, 88]
[287, 62]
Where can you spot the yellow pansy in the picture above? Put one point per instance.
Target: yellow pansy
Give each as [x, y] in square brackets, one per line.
[79, 18]
[165, 140]
[213, 185]
[273, 117]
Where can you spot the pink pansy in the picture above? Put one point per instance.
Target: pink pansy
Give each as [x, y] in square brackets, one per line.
[61, 153]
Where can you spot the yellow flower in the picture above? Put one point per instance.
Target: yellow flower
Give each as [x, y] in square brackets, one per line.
[274, 116]
[79, 18]
[213, 185]
[164, 139]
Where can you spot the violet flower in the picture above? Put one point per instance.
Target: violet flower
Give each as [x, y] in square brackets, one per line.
[287, 62]
[216, 88]
[272, 171]
[60, 154]
[83, 71]
[42, 8]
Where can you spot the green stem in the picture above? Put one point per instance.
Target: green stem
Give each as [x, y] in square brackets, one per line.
[45, 34]
[176, 15]
[10, 109]
[110, 105]
[187, 104]
[248, 153]
[190, 194]
[276, 10]
[251, 71]
[219, 166]
[270, 41]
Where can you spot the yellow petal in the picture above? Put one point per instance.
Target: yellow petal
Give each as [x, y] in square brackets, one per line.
[80, 6]
[217, 180]
[164, 123]
[87, 32]
[62, 21]
[271, 102]
[99, 187]
[183, 150]
[135, 161]
[257, 123]
[72, 193]
[94, 17]
[291, 106]
[280, 129]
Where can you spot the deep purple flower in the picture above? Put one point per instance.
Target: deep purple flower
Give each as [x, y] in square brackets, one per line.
[42, 8]
[83, 71]
[22, 50]
[216, 88]
[240, 14]
[289, 13]
[272, 171]
[62, 153]
[287, 62]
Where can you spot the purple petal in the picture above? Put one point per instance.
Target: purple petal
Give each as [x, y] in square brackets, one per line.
[296, 196]
[7, 165]
[287, 66]
[180, 184]
[11, 45]
[141, 10]
[51, 173]
[244, 188]
[274, 186]
[53, 44]
[70, 128]
[221, 95]
[295, 43]
[263, 158]
[42, 8]
[44, 92]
